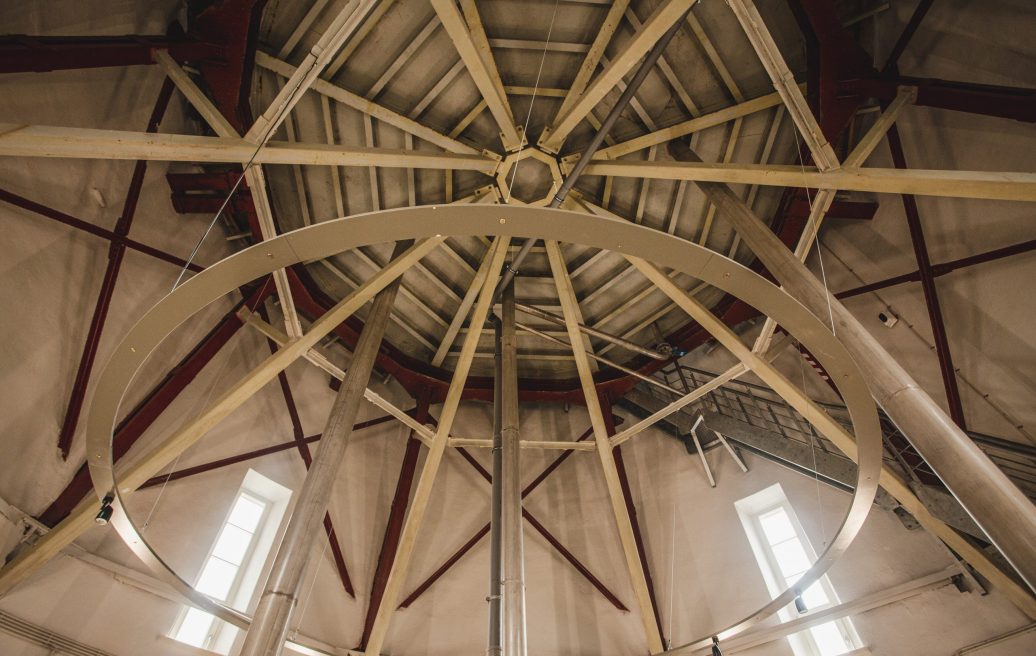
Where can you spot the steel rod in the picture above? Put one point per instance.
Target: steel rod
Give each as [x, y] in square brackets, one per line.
[593, 332]
[565, 553]
[595, 143]
[279, 598]
[601, 359]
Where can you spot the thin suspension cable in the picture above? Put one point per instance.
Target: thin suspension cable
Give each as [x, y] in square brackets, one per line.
[241, 176]
[816, 234]
[823, 277]
[672, 579]
[208, 397]
[813, 450]
[532, 103]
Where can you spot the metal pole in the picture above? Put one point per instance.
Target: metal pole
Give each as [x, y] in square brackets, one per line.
[511, 485]
[584, 159]
[593, 356]
[1003, 512]
[272, 617]
[496, 530]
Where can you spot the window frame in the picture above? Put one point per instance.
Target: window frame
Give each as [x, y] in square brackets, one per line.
[274, 498]
[751, 510]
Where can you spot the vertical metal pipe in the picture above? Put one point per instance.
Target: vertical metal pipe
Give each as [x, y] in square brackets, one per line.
[511, 502]
[495, 597]
[280, 595]
[584, 159]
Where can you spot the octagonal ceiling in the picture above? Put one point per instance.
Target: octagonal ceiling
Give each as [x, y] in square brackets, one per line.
[405, 62]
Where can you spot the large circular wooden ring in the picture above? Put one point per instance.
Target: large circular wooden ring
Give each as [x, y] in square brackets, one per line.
[326, 239]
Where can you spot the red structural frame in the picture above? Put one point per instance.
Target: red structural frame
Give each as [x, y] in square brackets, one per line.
[116, 251]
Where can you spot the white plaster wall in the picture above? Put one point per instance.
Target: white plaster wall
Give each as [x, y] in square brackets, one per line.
[712, 580]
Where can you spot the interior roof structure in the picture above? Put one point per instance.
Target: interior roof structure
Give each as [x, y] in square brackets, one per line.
[433, 103]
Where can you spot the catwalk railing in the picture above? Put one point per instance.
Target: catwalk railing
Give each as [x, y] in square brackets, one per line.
[761, 407]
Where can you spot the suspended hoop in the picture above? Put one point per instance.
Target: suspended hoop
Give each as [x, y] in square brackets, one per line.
[432, 222]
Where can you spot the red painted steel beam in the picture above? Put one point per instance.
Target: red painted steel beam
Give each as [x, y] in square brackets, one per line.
[1015, 103]
[20, 53]
[920, 11]
[832, 55]
[944, 268]
[250, 455]
[209, 181]
[484, 531]
[931, 296]
[631, 509]
[840, 209]
[140, 418]
[211, 203]
[394, 526]
[445, 567]
[86, 226]
[234, 24]
[548, 536]
[116, 251]
[307, 458]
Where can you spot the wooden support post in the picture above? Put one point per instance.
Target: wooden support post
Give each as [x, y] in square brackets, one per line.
[567, 297]
[422, 495]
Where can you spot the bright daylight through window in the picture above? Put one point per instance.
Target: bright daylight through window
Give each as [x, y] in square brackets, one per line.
[784, 553]
[232, 568]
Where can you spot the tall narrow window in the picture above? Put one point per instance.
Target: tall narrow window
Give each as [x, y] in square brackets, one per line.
[784, 554]
[232, 568]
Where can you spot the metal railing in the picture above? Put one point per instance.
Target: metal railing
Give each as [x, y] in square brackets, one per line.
[761, 407]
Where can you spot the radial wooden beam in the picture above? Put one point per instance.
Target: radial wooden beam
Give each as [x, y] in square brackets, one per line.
[654, 27]
[477, 32]
[422, 495]
[784, 81]
[161, 454]
[319, 57]
[86, 143]
[567, 297]
[421, 432]
[462, 311]
[593, 56]
[253, 175]
[481, 68]
[675, 406]
[690, 126]
[358, 36]
[1006, 185]
[369, 107]
[822, 201]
